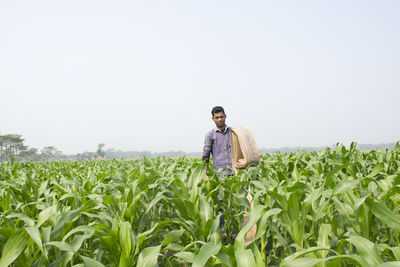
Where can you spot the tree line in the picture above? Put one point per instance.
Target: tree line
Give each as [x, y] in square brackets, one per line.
[12, 146]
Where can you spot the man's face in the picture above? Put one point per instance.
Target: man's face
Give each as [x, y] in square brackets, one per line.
[219, 119]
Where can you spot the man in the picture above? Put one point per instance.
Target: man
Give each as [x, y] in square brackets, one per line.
[218, 144]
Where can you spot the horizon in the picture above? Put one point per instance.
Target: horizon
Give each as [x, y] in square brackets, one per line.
[106, 148]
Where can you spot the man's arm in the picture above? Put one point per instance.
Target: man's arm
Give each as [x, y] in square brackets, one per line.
[208, 143]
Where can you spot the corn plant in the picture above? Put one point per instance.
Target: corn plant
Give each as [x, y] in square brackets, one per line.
[336, 207]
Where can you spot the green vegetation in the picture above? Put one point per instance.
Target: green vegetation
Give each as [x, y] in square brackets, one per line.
[336, 207]
[12, 147]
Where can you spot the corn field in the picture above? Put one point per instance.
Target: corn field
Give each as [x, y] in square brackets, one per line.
[336, 207]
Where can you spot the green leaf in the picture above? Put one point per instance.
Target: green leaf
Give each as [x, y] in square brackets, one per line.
[64, 218]
[263, 222]
[78, 240]
[35, 236]
[61, 245]
[172, 236]
[302, 262]
[383, 213]
[142, 237]
[205, 210]
[91, 262]
[126, 238]
[245, 258]
[293, 211]
[396, 252]
[367, 250]
[345, 186]
[215, 232]
[281, 199]
[299, 254]
[224, 258]
[390, 264]
[323, 239]
[309, 262]
[28, 221]
[227, 255]
[254, 216]
[155, 200]
[148, 256]
[42, 188]
[81, 228]
[293, 206]
[14, 246]
[186, 256]
[45, 214]
[378, 168]
[206, 251]
[46, 233]
[258, 257]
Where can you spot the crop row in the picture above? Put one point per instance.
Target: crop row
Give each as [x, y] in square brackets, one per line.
[336, 207]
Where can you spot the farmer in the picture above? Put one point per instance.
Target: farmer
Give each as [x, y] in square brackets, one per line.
[217, 143]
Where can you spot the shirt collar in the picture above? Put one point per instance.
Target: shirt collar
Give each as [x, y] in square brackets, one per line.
[226, 129]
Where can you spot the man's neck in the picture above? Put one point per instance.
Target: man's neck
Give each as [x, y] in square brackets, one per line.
[222, 129]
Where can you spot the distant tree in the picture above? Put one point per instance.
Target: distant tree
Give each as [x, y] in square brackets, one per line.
[30, 154]
[87, 156]
[51, 153]
[100, 150]
[2, 147]
[11, 145]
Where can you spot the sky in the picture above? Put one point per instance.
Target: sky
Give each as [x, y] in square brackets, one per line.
[144, 75]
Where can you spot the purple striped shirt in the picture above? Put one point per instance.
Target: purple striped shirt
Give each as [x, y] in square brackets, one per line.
[218, 144]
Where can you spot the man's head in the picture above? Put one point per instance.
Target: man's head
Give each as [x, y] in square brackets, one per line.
[218, 116]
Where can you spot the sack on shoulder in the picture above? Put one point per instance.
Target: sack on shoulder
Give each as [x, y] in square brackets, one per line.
[243, 147]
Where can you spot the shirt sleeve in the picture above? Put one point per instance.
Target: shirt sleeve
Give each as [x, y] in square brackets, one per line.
[208, 143]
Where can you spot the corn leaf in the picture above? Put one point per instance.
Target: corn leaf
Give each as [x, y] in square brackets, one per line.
[14, 246]
[367, 250]
[148, 256]
[383, 213]
[245, 258]
[91, 262]
[206, 251]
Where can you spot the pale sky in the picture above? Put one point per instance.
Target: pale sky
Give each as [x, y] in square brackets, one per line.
[144, 75]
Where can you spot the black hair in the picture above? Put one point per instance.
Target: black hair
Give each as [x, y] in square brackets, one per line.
[217, 109]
